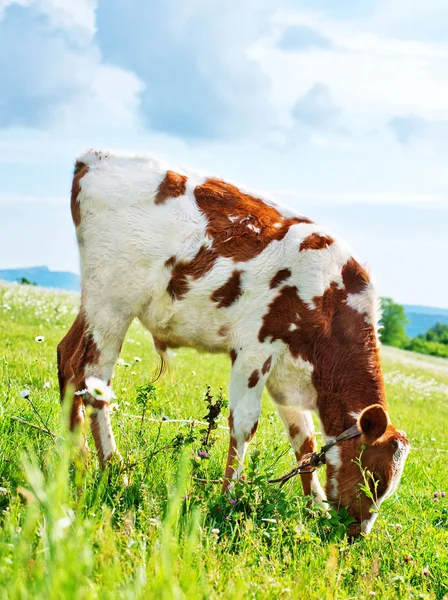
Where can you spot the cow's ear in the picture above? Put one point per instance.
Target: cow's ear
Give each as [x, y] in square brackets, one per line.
[373, 421]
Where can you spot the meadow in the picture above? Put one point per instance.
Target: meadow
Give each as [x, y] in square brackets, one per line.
[157, 526]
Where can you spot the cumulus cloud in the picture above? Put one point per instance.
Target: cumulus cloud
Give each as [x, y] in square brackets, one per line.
[302, 37]
[317, 109]
[194, 59]
[411, 128]
[406, 128]
[416, 19]
[77, 19]
[52, 75]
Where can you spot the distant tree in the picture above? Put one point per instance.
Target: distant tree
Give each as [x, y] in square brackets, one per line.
[393, 332]
[420, 344]
[25, 281]
[438, 333]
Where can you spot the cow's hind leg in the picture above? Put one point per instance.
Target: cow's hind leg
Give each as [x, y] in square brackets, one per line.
[91, 348]
[73, 352]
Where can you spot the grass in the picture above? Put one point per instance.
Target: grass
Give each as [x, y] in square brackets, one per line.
[68, 531]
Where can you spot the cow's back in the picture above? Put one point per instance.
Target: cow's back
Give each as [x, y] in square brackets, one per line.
[199, 260]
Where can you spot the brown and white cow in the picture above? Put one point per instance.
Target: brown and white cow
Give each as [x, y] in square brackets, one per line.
[205, 264]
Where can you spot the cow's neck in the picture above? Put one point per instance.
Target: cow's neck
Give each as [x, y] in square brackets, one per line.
[342, 395]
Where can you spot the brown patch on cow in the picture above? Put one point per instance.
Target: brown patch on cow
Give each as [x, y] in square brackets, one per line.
[232, 461]
[266, 365]
[160, 345]
[80, 170]
[173, 186]
[253, 430]
[240, 225]
[199, 266]
[253, 379]
[337, 341]
[293, 430]
[170, 262]
[76, 350]
[308, 446]
[230, 420]
[316, 241]
[279, 278]
[354, 277]
[228, 293]
[98, 404]
[233, 355]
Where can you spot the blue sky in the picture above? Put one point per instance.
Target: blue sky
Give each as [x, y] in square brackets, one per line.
[338, 108]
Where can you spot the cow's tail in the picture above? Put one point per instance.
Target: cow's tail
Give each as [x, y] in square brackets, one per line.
[164, 365]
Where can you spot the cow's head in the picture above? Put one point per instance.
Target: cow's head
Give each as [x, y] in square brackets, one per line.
[374, 459]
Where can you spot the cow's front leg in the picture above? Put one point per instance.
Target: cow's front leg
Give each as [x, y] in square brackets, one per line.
[247, 380]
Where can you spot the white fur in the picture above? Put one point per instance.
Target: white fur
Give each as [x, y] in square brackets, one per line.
[367, 524]
[333, 458]
[399, 458]
[108, 445]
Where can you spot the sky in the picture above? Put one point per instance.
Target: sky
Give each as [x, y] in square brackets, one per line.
[339, 109]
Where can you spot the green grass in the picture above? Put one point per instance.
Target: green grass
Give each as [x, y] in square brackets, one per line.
[68, 531]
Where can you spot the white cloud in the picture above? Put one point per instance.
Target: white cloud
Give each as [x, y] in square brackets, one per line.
[370, 75]
[57, 79]
[111, 98]
[76, 18]
[412, 19]
[71, 16]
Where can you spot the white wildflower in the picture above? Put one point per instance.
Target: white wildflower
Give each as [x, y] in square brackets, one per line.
[25, 393]
[39, 339]
[137, 359]
[99, 389]
[215, 532]
[114, 407]
[155, 522]
[47, 384]
[62, 524]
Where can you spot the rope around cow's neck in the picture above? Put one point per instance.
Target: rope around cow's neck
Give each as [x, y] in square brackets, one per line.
[312, 461]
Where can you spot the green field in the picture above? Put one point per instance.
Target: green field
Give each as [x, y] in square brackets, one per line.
[146, 529]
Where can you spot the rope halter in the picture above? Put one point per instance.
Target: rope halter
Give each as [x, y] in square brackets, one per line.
[313, 460]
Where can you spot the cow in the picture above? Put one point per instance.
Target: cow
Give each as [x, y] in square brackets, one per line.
[207, 264]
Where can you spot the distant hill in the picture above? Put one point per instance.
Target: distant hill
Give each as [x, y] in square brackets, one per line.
[422, 318]
[44, 277]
